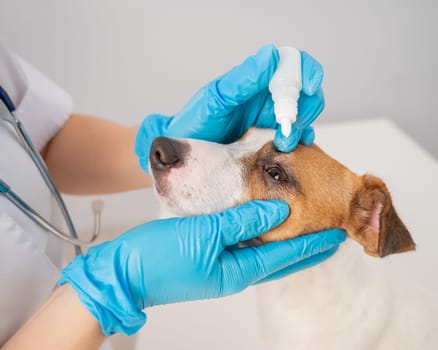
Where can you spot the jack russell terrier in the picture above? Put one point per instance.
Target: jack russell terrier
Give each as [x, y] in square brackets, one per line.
[345, 302]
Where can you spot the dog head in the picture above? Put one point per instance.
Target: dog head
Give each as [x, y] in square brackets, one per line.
[196, 177]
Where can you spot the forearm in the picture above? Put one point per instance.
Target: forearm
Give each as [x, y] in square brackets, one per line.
[91, 155]
[61, 323]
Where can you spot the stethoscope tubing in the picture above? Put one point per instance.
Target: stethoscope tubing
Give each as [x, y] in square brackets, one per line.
[39, 220]
[7, 114]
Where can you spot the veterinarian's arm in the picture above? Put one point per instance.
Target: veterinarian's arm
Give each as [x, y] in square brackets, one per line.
[106, 290]
[62, 323]
[91, 155]
[192, 258]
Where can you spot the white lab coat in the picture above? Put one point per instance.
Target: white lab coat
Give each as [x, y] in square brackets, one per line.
[30, 259]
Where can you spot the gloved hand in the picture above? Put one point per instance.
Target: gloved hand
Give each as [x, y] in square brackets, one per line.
[179, 259]
[225, 108]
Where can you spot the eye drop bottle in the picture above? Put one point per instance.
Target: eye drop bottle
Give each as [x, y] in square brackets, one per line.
[285, 87]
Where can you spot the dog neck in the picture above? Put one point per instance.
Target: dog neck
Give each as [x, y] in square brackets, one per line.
[343, 293]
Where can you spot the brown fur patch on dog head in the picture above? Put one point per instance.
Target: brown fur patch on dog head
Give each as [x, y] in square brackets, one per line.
[323, 194]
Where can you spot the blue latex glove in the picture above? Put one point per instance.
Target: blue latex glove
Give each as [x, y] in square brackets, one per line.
[179, 259]
[225, 108]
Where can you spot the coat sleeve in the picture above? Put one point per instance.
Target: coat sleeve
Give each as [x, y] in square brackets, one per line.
[41, 105]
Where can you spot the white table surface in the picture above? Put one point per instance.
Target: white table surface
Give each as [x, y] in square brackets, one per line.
[374, 146]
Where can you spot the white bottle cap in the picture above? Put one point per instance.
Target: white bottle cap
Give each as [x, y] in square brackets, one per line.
[285, 87]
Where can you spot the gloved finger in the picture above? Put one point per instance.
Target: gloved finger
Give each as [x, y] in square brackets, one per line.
[250, 265]
[307, 136]
[302, 265]
[287, 143]
[266, 117]
[246, 221]
[309, 108]
[312, 74]
[237, 86]
[152, 126]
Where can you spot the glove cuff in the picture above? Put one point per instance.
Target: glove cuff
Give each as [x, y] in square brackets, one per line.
[110, 304]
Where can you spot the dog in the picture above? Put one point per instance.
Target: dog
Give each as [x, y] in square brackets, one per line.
[345, 302]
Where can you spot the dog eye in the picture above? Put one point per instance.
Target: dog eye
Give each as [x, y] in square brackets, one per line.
[277, 173]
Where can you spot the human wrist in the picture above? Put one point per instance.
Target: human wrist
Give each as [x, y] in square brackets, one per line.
[80, 316]
[100, 284]
[62, 322]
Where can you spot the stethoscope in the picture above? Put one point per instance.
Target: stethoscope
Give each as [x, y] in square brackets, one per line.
[7, 114]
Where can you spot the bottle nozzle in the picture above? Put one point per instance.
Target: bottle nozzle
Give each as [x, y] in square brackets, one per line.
[286, 127]
[285, 87]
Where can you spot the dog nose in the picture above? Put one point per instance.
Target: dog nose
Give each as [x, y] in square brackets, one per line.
[167, 153]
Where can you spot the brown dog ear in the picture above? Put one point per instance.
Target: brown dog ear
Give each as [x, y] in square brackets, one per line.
[374, 222]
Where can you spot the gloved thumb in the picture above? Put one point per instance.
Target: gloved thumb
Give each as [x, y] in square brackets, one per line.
[246, 221]
[152, 126]
[252, 264]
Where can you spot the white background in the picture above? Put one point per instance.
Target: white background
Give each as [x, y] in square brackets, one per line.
[126, 59]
